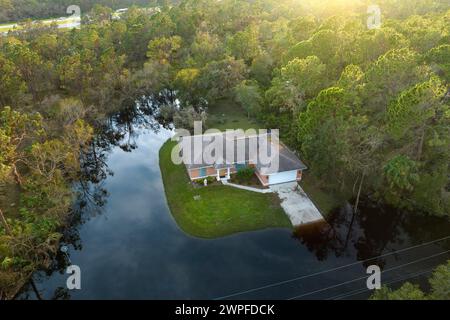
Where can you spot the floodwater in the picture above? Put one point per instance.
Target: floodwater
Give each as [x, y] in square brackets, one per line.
[128, 246]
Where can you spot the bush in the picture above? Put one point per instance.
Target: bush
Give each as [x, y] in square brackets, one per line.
[210, 180]
[245, 174]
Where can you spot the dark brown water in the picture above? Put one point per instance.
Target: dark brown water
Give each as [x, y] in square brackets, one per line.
[128, 246]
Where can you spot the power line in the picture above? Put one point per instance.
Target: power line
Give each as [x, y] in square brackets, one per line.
[329, 270]
[417, 274]
[352, 293]
[361, 278]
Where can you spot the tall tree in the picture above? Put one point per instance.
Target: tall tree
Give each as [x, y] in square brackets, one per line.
[299, 81]
[12, 87]
[244, 45]
[418, 115]
[392, 73]
[248, 95]
[15, 130]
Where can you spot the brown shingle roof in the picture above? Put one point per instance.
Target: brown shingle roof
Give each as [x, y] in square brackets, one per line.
[288, 161]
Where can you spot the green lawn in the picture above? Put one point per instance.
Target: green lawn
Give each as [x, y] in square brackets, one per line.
[226, 114]
[221, 210]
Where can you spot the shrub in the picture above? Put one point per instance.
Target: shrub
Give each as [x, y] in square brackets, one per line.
[245, 174]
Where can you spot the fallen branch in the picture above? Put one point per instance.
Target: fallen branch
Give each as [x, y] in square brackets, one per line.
[5, 223]
[17, 176]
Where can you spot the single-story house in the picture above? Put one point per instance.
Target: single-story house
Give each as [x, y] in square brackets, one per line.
[289, 167]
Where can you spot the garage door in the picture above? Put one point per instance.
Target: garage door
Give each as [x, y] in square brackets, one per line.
[283, 177]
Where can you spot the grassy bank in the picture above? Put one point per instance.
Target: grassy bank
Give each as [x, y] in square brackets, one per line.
[226, 114]
[220, 210]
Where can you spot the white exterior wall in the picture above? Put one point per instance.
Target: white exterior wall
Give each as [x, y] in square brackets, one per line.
[283, 177]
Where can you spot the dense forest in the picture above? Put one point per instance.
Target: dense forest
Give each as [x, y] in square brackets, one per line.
[17, 10]
[367, 109]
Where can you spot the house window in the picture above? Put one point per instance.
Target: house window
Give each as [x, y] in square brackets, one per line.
[202, 172]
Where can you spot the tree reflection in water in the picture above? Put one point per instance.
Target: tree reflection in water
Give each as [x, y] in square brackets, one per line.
[372, 231]
[119, 130]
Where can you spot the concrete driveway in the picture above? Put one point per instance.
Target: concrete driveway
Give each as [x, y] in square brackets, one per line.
[297, 204]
